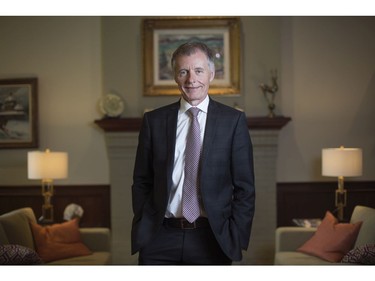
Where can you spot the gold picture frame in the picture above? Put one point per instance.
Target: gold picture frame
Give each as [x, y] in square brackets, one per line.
[19, 113]
[161, 36]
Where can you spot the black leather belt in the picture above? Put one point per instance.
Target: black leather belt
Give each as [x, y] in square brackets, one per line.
[182, 223]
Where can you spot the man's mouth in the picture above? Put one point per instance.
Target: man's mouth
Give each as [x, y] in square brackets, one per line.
[191, 88]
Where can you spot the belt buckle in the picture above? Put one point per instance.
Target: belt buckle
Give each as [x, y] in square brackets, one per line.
[187, 225]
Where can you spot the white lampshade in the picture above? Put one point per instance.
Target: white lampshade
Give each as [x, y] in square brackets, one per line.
[47, 165]
[342, 162]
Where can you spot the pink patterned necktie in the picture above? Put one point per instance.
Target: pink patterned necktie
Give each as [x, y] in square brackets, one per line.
[190, 201]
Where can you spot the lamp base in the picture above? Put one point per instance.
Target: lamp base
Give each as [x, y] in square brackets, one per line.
[47, 207]
[340, 199]
[47, 214]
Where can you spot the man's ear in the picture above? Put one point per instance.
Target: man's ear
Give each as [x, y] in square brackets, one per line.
[212, 76]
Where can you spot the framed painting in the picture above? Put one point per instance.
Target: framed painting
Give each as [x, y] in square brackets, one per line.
[161, 36]
[18, 113]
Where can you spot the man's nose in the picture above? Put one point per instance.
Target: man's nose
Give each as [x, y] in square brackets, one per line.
[191, 77]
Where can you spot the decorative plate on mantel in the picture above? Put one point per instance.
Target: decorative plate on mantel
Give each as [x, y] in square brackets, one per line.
[111, 105]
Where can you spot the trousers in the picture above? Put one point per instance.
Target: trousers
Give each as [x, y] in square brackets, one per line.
[175, 246]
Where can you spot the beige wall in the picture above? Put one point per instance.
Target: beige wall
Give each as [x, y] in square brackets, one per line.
[64, 53]
[328, 88]
[327, 85]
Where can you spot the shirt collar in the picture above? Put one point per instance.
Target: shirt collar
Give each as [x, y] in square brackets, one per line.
[203, 106]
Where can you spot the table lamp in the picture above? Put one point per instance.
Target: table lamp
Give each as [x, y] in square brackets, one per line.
[341, 162]
[47, 166]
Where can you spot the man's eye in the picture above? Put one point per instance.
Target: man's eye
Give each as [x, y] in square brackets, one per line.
[199, 71]
[183, 73]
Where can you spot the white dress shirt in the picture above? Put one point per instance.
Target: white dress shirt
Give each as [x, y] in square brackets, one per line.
[174, 208]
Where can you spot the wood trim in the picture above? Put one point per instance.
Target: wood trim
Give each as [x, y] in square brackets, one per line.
[267, 123]
[313, 199]
[120, 124]
[94, 200]
[134, 124]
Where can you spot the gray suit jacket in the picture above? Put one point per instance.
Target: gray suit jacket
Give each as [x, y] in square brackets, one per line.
[226, 176]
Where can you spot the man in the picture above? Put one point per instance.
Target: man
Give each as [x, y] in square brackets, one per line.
[163, 230]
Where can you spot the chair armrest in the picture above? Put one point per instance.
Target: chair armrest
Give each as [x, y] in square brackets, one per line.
[97, 239]
[290, 238]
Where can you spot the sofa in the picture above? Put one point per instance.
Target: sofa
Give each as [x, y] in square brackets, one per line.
[289, 239]
[18, 241]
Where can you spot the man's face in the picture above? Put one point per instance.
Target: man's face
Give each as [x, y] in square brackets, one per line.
[193, 77]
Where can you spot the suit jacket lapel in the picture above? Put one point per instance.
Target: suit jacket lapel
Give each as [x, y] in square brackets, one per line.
[209, 134]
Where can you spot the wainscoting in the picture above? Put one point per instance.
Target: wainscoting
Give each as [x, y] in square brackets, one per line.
[94, 200]
[313, 199]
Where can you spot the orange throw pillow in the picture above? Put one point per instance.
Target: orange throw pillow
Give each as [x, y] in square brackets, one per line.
[59, 241]
[332, 240]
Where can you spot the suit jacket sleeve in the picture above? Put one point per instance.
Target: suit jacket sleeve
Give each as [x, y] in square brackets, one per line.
[242, 169]
[143, 172]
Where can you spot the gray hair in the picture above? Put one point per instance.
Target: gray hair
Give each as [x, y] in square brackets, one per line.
[190, 48]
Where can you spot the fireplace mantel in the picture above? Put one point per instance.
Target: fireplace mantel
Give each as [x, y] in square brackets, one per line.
[122, 139]
[134, 124]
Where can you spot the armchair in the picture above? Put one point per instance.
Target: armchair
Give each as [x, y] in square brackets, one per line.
[15, 229]
[289, 239]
